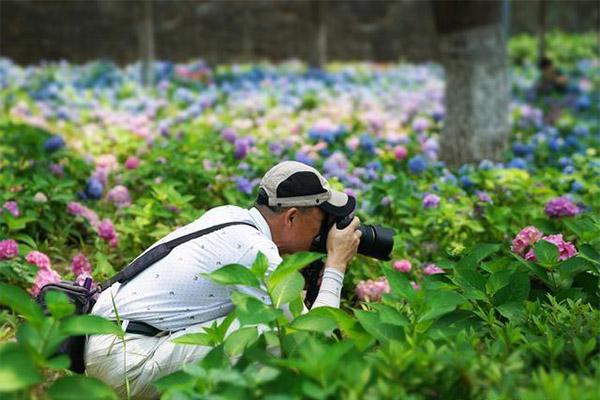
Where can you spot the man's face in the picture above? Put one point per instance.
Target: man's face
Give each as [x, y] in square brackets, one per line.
[302, 228]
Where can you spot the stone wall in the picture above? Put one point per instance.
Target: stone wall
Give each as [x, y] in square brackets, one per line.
[226, 31]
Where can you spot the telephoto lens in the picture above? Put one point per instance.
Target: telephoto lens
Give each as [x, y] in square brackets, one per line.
[376, 241]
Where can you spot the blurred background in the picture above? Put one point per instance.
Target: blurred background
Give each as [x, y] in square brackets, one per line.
[233, 31]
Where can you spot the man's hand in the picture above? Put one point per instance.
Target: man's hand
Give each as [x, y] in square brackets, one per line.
[342, 245]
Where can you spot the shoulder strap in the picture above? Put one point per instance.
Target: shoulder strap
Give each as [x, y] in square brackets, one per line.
[158, 252]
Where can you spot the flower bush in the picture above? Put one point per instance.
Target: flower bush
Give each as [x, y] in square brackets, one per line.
[492, 289]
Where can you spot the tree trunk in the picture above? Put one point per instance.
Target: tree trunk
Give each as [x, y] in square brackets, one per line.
[477, 95]
[146, 41]
[318, 48]
[541, 29]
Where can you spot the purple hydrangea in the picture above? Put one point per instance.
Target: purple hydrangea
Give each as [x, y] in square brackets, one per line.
[561, 207]
[12, 207]
[8, 249]
[119, 196]
[54, 143]
[242, 147]
[431, 201]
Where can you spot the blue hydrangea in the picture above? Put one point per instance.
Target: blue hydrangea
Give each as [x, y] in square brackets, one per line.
[568, 170]
[486, 165]
[417, 164]
[54, 143]
[94, 188]
[522, 149]
[564, 161]
[555, 144]
[583, 103]
[581, 131]
[577, 186]
[466, 182]
[367, 143]
[518, 163]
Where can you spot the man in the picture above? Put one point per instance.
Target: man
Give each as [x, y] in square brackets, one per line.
[171, 298]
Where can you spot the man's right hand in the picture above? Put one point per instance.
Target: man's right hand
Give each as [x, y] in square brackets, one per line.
[342, 245]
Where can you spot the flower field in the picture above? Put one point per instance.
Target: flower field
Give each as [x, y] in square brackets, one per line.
[493, 288]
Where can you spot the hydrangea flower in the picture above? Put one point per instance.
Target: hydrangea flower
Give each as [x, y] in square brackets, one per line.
[415, 285]
[431, 201]
[39, 259]
[417, 164]
[229, 134]
[371, 290]
[107, 232]
[44, 277]
[483, 197]
[40, 197]
[561, 207]
[54, 143]
[81, 265]
[132, 162]
[525, 238]
[8, 249]
[403, 266]
[94, 188]
[12, 207]
[566, 250]
[400, 152]
[242, 147]
[57, 170]
[119, 196]
[432, 269]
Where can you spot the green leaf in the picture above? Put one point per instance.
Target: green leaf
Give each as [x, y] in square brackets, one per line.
[297, 306]
[513, 310]
[546, 253]
[251, 311]
[498, 280]
[233, 274]
[260, 266]
[440, 303]
[80, 387]
[476, 255]
[239, 340]
[517, 290]
[381, 331]
[177, 379]
[59, 362]
[287, 289]
[292, 263]
[469, 279]
[199, 339]
[315, 321]
[58, 304]
[573, 266]
[390, 315]
[399, 284]
[17, 369]
[90, 324]
[20, 302]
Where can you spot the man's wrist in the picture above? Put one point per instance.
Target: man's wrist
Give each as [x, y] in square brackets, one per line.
[340, 267]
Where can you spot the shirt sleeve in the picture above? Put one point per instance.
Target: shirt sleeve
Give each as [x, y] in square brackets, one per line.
[331, 289]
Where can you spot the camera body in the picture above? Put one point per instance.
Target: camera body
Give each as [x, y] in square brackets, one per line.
[376, 241]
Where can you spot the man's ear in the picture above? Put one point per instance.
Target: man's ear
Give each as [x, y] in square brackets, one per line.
[290, 215]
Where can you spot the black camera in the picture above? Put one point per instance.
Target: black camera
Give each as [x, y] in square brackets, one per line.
[376, 241]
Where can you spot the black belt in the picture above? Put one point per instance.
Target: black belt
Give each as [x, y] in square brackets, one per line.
[142, 328]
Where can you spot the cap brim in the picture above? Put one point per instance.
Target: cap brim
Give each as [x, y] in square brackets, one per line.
[340, 204]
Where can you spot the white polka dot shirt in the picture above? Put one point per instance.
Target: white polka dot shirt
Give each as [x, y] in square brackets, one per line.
[172, 295]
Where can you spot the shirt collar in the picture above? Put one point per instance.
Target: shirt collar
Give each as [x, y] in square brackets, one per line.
[261, 222]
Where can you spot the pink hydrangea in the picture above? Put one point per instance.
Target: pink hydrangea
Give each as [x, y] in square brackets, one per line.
[371, 290]
[44, 277]
[415, 285]
[107, 232]
[353, 143]
[12, 207]
[81, 265]
[119, 196]
[8, 249]
[39, 259]
[403, 266]
[566, 249]
[106, 161]
[527, 237]
[400, 152]
[75, 208]
[132, 162]
[561, 207]
[432, 269]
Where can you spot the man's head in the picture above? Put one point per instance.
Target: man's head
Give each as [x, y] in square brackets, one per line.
[295, 200]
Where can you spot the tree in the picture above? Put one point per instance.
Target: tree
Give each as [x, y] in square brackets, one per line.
[473, 54]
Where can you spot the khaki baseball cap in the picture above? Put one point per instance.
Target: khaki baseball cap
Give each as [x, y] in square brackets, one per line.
[294, 184]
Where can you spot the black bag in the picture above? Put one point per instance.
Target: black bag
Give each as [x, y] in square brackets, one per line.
[83, 297]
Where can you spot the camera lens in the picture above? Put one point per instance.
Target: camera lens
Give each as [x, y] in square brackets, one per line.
[376, 241]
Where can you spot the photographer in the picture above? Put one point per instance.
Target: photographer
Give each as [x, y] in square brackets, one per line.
[171, 298]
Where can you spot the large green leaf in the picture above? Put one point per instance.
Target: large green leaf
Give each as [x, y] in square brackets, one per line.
[287, 289]
[251, 311]
[315, 321]
[476, 255]
[58, 304]
[399, 284]
[517, 290]
[17, 299]
[198, 339]
[573, 266]
[546, 253]
[498, 280]
[439, 303]
[390, 315]
[89, 324]
[260, 266]
[380, 330]
[292, 263]
[17, 369]
[469, 279]
[239, 340]
[233, 274]
[78, 387]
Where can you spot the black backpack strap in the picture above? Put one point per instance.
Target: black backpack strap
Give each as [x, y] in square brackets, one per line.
[158, 252]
